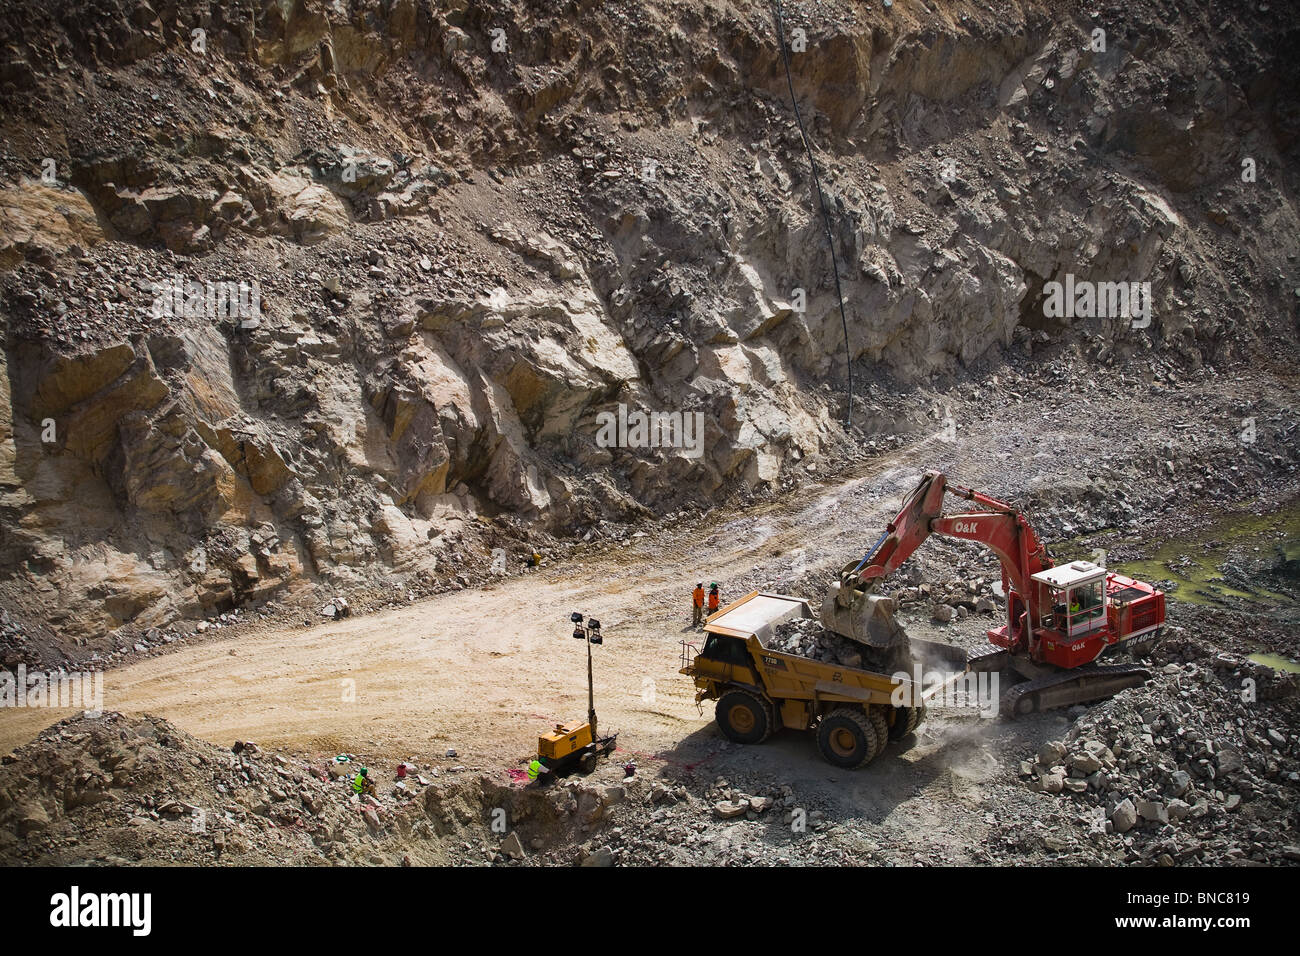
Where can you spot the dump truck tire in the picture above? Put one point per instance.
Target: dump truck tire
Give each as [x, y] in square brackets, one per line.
[847, 738]
[744, 717]
[903, 719]
[906, 720]
[881, 727]
[588, 763]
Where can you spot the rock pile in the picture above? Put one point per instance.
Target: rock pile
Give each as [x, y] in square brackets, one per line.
[125, 790]
[727, 823]
[128, 790]
[949, 598]
[1188, 768]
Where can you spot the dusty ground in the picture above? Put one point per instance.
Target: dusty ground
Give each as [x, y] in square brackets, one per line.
[483, 671]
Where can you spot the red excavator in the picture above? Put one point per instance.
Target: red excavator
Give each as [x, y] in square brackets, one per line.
[1060, 618]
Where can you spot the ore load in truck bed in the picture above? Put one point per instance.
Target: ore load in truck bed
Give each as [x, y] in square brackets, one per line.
[806, 637]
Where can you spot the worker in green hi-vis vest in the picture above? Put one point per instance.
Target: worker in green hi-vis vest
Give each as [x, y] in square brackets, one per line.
[362, 783]
[537, 772]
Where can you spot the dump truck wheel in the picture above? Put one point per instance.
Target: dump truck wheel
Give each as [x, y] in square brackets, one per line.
[881, 727]
[847, 738]
[588, 763]
[744, 717]
[904, 723]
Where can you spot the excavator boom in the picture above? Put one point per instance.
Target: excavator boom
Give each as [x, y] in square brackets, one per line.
[851, 608]
[1003, 529]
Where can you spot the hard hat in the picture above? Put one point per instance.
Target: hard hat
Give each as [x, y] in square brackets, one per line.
[364, 772]
[714, 584]
[699, 584]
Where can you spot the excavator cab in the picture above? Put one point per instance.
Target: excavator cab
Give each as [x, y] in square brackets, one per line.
[1076, 598]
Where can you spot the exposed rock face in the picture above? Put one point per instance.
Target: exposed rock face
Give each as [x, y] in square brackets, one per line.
[464, 255]
[40, 222]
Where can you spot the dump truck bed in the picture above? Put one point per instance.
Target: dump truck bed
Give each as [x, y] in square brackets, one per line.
[757, 615]
[754, 619]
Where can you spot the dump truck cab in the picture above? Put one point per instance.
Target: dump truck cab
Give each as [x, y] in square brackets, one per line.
[727, 655]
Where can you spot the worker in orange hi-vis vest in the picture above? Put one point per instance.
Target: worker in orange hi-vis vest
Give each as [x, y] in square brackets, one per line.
[697, 601]
[714, 598]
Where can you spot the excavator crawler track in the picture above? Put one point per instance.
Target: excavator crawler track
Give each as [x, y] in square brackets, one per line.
[1083, 684]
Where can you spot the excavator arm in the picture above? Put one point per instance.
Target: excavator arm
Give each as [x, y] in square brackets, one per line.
[851, 608]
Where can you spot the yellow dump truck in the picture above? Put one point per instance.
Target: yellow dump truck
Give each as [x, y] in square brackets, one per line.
[758, 690]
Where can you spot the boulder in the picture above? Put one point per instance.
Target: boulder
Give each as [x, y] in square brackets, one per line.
[602, 857]
[727, 809]
[1153, 811]
[1084, 762]
[1051, 753]
[31, 818]
[1179, 782]
[1124, 817]
[1228, 760]
[511, 846]
[309, 212]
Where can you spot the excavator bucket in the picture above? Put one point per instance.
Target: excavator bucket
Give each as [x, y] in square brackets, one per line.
[861, 616]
